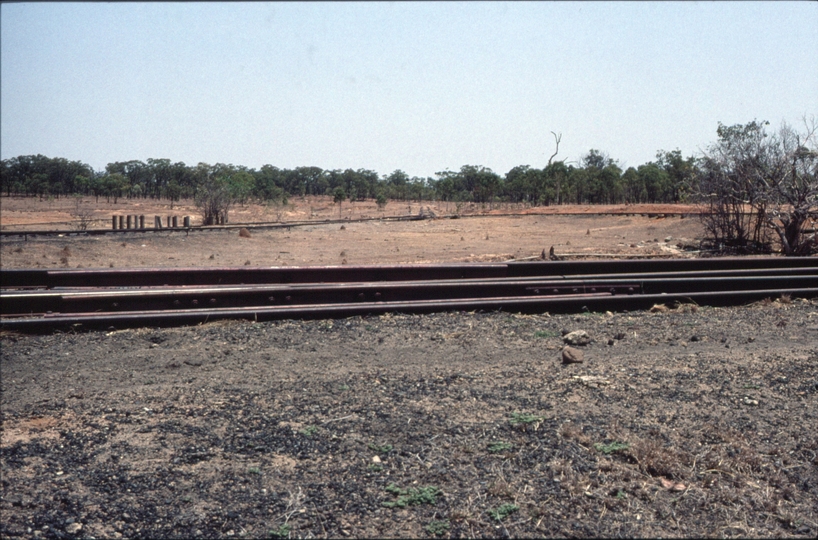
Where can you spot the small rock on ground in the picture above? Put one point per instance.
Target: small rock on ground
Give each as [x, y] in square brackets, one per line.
[571, 355]
[577, 337]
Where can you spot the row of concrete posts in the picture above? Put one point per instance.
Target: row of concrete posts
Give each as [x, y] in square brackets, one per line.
[138, 222]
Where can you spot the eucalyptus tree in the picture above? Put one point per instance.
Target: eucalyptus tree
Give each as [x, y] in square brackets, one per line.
[213, 194]
[681, 172]
[339, 195]
[135, 172]
[396, 185]
[654, 183]
[159, 175]
[519, 185]
[556, 176]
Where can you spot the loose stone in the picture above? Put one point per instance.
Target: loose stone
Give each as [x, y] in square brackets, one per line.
[577, 337]
[571, 355]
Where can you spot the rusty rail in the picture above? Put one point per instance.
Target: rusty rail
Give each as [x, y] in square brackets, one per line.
[142, 277]
[37, 300]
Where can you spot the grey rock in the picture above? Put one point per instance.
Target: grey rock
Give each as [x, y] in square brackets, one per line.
[577, 337]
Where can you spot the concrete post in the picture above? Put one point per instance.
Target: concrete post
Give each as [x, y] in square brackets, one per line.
[157, 222]
[187, 222]
[113, 222]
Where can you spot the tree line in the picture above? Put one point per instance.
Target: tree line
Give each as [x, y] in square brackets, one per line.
[598, 179]
[757, 187]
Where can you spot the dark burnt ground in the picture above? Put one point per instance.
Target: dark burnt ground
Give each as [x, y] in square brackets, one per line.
[690, 423]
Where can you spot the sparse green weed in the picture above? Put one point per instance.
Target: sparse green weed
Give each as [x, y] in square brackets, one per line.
[411, 496]
[283, 531]
[381, 449]
[503, 511]
[499, 446]
[546, 334]
[437, 528]
[608, 449]
[253, 470]
[523, 418]
[308, 431]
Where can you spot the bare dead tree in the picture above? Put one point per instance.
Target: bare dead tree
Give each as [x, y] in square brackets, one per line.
[558, 175]
[792, 187]
[558, 138]
[83, 215]
[756, 187]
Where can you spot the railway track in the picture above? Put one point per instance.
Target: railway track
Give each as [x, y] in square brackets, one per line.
[43, 300]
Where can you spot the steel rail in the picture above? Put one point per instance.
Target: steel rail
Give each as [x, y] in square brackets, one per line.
[129, 277]
[343, 291]
[266, 295]
[520, 269]
[530, 279]
[588, 280]
[568, 303]
[231, 296]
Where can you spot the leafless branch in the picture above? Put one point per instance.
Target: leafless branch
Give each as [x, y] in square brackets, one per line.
[757, 183]
[558, 138]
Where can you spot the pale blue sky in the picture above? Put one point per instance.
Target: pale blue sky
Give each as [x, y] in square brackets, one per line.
[422, 87]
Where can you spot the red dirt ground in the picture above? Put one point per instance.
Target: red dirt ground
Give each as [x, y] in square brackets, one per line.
[479, 235]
